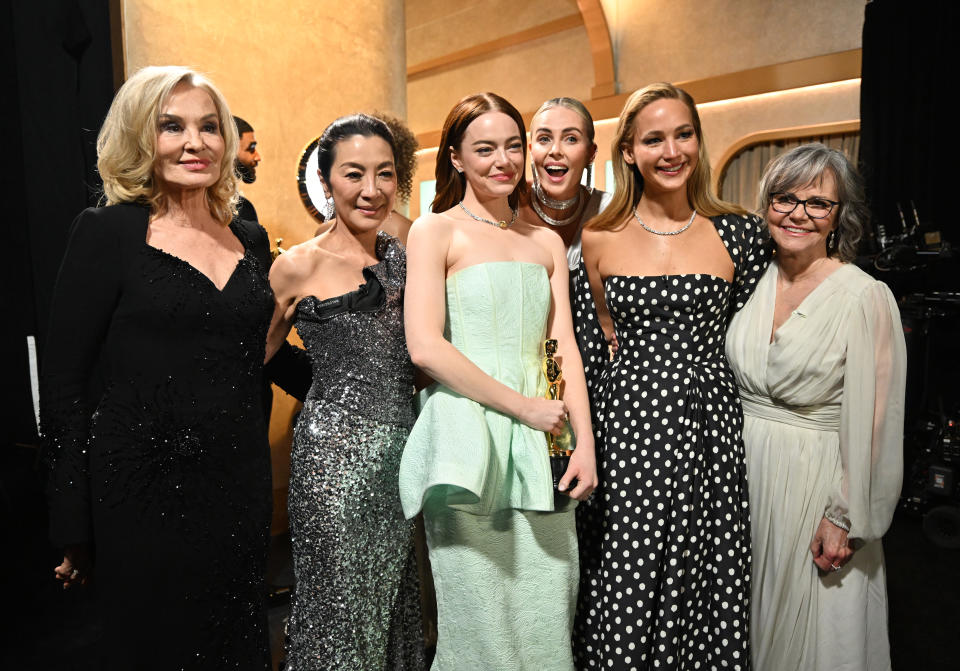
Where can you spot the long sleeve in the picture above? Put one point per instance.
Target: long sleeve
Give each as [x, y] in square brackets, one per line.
[290, 368]
[871, 416]
[85, 297]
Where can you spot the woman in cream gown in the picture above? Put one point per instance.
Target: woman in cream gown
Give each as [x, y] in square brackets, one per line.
[819, 356]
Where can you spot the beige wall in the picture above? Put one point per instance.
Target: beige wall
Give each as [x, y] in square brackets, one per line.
[527, 74]
[289, 67]
[680, 40]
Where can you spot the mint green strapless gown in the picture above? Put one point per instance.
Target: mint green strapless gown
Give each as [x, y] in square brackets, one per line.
[504, 561]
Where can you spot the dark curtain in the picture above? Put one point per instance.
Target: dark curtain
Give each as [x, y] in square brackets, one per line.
[909, 70]
[58, 83]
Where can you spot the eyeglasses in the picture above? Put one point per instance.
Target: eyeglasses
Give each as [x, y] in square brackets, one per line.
[816, 207]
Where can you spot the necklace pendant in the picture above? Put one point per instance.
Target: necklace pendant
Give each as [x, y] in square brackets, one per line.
[502, 224]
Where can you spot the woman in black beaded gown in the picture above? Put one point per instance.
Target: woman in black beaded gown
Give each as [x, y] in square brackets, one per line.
[357, 601]
[151, 388]
[668, 583]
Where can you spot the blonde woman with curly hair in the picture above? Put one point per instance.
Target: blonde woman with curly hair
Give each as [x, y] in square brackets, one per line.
[151, 388]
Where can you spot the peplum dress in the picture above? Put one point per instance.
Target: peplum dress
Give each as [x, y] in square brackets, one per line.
[357, 600]
[823, 404]
[504, 562]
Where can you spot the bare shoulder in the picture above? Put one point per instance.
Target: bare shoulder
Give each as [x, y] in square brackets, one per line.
[432, 227]
[596, 237]
[398, 226]
[299, 261]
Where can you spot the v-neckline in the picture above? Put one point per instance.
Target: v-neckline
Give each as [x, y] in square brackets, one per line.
[775, 270]
[196, 270]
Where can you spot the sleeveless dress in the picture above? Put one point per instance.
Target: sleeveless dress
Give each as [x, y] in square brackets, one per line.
[155, 434]
[823, 429]
[357, 602]
[504, 565]
[666, 575]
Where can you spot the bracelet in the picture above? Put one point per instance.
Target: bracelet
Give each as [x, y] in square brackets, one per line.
[836, 520]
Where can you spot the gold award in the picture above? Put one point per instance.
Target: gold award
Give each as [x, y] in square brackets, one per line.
[564, 444]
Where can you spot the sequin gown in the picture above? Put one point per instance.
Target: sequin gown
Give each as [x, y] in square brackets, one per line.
[154, 429]
[665, 581]
[357, 601]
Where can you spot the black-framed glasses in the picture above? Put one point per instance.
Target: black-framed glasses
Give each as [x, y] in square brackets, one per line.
[816, 207]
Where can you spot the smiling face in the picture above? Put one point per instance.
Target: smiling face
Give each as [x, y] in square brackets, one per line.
[665, 146]
[189, 143]
[561, 150]
[797, 233]
[363, 181]
[490, 155]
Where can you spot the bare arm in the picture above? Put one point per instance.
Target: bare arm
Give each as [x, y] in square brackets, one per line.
[583, 466]
[592, 242]
[424, 316]
[285, 277]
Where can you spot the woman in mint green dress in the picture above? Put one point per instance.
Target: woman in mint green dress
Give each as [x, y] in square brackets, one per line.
[484, 289]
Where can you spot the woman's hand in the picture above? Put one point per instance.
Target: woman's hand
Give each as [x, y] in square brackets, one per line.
[544, 414]
[583, 469]
[76, 567]
[830, 547]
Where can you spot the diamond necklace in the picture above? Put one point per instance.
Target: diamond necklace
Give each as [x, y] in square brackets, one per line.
[547, 200]
[656, 232]
[577, 211]
[498, 224]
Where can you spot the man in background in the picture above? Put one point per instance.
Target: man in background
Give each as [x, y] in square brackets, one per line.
[246, 163]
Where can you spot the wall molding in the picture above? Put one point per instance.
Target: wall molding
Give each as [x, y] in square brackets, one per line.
[825, 69]
[601, 48]
[791, 133]
[461, 57]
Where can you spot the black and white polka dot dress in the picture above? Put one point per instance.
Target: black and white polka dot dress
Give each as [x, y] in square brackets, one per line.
[665, 542]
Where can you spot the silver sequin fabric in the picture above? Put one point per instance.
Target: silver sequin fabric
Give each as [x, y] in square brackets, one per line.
[357, 603]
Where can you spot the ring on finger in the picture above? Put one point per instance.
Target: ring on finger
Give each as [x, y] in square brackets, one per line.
[74, 573]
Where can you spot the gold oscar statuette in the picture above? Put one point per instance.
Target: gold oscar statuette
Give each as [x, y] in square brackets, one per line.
[562, 445]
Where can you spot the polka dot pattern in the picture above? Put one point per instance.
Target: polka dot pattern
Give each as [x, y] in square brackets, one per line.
[664, 543]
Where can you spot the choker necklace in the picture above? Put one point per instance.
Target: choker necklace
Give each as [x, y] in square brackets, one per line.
[577, 211]
[498, 224]
[547, 200]
[656, 232]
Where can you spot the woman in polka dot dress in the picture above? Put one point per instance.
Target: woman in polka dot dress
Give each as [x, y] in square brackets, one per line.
[669, 581]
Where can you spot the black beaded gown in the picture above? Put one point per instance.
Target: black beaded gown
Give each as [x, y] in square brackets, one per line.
[665, 543]
[154, 431]
[357, 601]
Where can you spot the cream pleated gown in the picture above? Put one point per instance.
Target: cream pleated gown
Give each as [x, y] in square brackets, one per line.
[823, 426]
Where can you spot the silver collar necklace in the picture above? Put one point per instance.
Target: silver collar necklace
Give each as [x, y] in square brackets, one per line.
[575, 216]
[498, 224]
[547, 200]
[656, 232]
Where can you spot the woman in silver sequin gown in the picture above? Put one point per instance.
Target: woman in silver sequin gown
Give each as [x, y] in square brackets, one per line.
[356, 604]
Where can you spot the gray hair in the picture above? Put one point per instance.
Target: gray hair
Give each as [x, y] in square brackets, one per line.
[806, 165]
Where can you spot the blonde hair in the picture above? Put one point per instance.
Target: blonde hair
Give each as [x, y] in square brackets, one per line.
[573, 105]
[127, 143]
[628, 180]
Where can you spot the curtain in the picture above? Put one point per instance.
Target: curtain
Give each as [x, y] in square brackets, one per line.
[738, 184]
